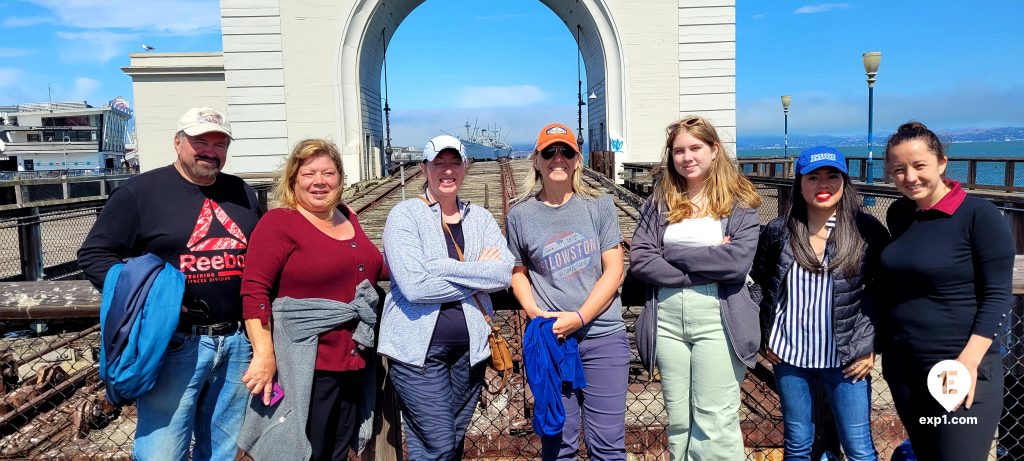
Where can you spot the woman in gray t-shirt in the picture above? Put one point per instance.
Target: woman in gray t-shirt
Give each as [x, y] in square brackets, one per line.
[569, 266]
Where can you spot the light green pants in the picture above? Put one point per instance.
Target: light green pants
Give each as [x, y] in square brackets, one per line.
[700, 376]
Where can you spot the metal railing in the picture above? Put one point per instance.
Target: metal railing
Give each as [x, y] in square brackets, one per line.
[1004, 174]
[54, 407]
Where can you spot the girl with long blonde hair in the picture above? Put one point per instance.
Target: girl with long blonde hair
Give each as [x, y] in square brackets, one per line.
[694, 244]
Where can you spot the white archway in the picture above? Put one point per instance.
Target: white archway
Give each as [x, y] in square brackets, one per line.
[298, 69]
[372, 23]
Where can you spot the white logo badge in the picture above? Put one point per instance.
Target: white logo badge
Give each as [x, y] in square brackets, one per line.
[949, 382]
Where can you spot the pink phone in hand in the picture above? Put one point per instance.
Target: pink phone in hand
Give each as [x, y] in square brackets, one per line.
[276, 394]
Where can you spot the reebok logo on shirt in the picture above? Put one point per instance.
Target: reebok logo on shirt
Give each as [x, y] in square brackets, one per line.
[228, 263]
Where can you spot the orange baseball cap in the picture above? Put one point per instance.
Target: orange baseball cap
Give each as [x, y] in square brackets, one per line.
[556, 132]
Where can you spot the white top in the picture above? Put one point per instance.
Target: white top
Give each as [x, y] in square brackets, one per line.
[802, 334]
[694, 232]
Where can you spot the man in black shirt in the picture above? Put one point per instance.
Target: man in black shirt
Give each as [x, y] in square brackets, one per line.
[198, 220]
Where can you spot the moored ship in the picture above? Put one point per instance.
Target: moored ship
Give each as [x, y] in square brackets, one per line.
[482, 144]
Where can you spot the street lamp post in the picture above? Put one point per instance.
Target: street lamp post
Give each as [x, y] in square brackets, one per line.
[65, 142]
[871, 61]
[579, 90]
[786, 99]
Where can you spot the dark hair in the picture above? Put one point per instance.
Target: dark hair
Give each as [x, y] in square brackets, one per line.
[916, 131]
[849, 244]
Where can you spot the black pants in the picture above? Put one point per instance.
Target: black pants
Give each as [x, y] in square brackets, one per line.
[933, 439]
[334, 413]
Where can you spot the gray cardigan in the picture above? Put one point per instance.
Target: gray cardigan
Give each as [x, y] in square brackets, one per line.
[279, 431]
[423, 277]
[680, 267]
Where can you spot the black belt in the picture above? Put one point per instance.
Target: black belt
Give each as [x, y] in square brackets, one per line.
[216, 329]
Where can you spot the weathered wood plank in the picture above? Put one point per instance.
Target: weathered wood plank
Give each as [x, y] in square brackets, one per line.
[48, 300]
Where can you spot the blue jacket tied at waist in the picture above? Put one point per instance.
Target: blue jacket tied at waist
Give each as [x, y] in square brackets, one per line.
[550, 364]
[140, 310]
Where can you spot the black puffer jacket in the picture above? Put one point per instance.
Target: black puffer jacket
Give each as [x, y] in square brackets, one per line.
[854, 302]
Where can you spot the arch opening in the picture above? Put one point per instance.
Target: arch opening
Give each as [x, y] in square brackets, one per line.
[373, 23]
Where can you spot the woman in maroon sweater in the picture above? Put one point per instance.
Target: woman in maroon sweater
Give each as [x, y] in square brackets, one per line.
[311, 247]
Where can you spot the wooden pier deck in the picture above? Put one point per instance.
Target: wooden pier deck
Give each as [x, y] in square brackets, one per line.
[77, 425]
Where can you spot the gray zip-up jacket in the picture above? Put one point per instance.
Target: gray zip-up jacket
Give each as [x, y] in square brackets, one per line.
[423, 277]
[279, 431]
[680, 267]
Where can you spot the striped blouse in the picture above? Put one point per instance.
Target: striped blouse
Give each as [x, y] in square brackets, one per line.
[802, 334]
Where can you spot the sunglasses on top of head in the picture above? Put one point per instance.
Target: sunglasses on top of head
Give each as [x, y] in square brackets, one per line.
[549, 152]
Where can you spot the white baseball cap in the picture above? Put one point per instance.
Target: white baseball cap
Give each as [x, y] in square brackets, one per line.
[199, 120]
[440, 143]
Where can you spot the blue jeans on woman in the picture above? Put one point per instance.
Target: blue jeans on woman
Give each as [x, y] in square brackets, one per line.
[850, 402]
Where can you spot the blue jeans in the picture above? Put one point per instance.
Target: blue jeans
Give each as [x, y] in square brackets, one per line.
[199, 394]
[850, 402]
[437, 401]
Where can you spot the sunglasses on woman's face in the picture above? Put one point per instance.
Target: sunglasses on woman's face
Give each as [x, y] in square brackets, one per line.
[549, 152]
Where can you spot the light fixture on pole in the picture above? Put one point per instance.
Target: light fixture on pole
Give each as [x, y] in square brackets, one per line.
[871, 61]
[579, 90]
[65, 142]
[388, 151]
[786, 99]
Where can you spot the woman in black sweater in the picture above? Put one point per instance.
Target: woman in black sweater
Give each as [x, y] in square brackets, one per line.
[949, 269]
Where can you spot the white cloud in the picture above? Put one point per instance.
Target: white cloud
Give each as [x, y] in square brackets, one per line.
[759, 16]
[174, 17]
[12, 87]
[25, 21]
[519, 125]
[9, 77]
[821, 8]
[83, 88]
[499, 96]
[960, 105]
[14, 52]
[95, 46]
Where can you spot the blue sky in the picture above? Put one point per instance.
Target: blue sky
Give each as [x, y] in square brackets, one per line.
[512, 62]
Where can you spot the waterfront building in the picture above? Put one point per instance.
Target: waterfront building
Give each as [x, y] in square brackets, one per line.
[63, 136]
[296, 69]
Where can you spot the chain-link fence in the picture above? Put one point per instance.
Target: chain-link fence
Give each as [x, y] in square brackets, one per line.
[53, 406]
[37, 245]
[41, 243]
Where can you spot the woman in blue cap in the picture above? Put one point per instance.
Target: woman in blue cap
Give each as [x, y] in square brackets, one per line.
[816, 266]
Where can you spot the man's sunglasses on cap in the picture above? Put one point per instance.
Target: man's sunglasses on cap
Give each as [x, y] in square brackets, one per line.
[550, 152]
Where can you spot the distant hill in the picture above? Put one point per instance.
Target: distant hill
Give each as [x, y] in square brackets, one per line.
[797, 140]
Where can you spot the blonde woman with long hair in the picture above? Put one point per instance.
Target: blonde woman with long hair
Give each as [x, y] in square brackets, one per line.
[694, 244]
[568, 269]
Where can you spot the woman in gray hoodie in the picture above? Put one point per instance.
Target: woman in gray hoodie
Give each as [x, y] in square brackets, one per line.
[694, 244]
[445, 256]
